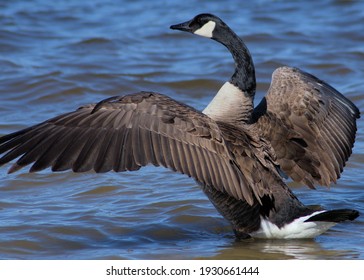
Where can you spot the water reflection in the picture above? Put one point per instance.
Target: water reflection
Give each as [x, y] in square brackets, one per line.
[282, 249]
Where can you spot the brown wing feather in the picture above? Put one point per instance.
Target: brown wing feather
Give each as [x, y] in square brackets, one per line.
[126, 133]
[311, 126]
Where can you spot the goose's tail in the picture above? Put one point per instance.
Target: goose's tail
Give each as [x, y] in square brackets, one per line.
[334, 216]
[308, 226]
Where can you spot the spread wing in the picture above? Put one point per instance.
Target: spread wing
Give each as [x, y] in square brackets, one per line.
[126, 133]
[311, 126]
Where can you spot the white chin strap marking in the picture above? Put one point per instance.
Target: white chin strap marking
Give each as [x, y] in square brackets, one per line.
[206, 30]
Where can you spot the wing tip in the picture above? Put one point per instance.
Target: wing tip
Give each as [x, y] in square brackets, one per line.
[15, 167]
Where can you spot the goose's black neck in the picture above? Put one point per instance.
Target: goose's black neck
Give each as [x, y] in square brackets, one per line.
[244, 75]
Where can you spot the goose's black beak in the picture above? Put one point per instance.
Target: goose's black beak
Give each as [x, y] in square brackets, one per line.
[185, 26]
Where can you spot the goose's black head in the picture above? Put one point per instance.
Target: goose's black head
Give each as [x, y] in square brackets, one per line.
[206, 25]
[210, 26]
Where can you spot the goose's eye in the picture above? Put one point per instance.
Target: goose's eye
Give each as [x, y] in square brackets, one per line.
[201, 22]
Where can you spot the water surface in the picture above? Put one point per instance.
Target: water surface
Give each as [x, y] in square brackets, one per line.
[57, 56]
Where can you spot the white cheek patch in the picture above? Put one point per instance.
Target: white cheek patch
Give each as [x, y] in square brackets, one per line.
[206, 30]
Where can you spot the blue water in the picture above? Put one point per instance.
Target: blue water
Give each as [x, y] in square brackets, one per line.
[56, 56]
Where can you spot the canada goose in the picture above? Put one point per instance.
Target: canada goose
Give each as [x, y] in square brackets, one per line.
[235, 165]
